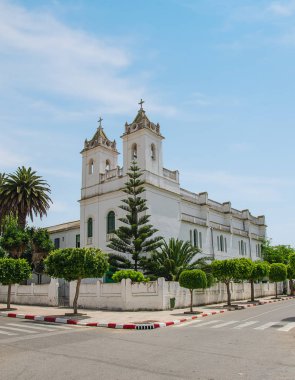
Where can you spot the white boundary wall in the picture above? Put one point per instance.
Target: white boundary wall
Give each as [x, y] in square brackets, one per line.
[154, 295]
[45, 294]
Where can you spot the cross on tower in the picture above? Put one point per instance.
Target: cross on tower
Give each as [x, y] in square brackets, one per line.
[141, 103]
[100, 120]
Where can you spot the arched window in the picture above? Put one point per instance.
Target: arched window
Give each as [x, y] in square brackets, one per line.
[89, 228]
[134, 152]
[196, 242]
[191, 236]
[108, 166]
[91, 167]
[153, 152]
[111, 226]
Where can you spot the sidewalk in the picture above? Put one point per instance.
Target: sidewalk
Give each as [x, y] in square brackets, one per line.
[138, 320]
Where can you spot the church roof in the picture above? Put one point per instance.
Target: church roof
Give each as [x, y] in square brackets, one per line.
[141, 121]
[100, 139]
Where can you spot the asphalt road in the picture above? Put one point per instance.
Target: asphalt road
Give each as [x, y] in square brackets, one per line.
[256, 343]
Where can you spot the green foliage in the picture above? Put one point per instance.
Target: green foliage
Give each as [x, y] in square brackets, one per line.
[210, 279]
[14, 271]
[172, 259]
[260, 270]
[244, 268]
[292, 260]
[225, 270]
[3, 253]
[76, 263]
[193, 279]
[134, 237]
[129, 273]
[290, 272]
[276, 254]
[14, 239]
[277, 272]
[24, 193]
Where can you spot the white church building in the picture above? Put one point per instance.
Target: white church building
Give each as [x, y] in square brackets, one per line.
[218, 229]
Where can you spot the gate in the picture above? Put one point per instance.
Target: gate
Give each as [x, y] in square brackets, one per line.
[63, 293]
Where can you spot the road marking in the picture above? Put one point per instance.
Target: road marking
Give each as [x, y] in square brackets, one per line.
[183, 324]
[267, 312]
[207, 323]
[18, 329]
[6, 333]
[224, 324]
[31, 327]
[287, 327]
[245, 325]
[266, 325]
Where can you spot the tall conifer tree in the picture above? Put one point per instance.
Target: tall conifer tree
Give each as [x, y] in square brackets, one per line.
[134, 238]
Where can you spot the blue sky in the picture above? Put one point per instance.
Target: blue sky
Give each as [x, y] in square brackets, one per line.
[217, 75]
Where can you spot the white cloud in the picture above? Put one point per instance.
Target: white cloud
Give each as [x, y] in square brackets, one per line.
[280, 8]
[43, 61]
[9, 159]
[237, 187]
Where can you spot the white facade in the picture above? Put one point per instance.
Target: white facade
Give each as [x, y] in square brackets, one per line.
[218, 229]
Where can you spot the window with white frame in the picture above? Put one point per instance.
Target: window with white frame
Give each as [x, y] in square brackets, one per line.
[221, 243]
[197, 238]
[91, 167]
[242, 248]
[258, 250]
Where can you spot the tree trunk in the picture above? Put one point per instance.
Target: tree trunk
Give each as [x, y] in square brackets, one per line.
[228, 294]
[191, 309]
[8, 296]
[75, 302]
[291, 286]
[22, 219]
[135, 264]
[252, 290]
[276, 290]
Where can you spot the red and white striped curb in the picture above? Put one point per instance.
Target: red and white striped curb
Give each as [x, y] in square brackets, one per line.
[130, 326]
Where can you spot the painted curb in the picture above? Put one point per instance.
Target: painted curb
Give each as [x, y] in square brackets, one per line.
[129, 326]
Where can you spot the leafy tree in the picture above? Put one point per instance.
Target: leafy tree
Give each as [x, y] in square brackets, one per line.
[277, 273]
[3, 253]
[260, 269]
[2, 177]
[24, 193]
[74, 264]
[290, 277]
[171, 259]
[276, 254]
[230, 270]
[14, 239]
[129, 273]
[193, 279]
[38, 248]
[134, 238]
[13, 271]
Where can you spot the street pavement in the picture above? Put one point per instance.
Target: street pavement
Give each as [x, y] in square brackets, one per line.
[255, 343]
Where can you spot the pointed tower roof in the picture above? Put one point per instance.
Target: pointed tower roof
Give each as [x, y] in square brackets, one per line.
[141, 121]
[100, 139]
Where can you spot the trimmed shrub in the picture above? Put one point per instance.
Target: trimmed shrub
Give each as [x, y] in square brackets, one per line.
[193, 279]
[277, 273]
[129, 273]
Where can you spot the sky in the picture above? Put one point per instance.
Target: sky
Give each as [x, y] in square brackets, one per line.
[218, 75]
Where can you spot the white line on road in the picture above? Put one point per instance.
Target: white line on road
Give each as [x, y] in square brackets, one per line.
[267, 312]
[266, 325]
[188, 323]
[287, 327]
[18, 329]
[245, 325]
[224, 324]
[31, 327]
[207, 323]
[6, 333]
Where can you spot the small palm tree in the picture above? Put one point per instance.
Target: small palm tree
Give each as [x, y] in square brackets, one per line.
[24, 194]
[172, 259]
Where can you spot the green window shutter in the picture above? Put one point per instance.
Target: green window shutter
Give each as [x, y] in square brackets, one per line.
[111, 222]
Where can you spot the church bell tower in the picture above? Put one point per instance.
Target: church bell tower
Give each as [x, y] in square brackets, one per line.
[142, 142]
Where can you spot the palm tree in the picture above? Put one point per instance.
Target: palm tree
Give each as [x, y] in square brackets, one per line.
[23, 194]
[172, 259]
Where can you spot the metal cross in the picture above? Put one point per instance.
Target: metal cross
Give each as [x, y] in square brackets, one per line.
[100, 120]
[141, 103]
